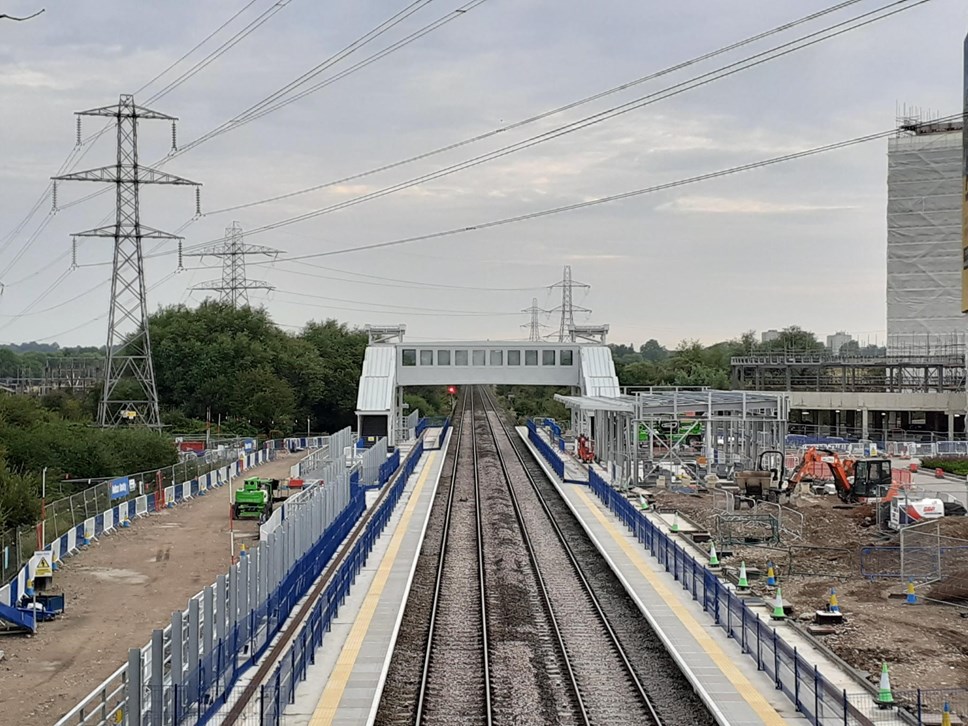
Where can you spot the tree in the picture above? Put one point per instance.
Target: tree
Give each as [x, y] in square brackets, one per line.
[340, 352]
[650, 350]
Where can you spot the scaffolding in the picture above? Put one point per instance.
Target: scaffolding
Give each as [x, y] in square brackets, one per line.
[679, 432]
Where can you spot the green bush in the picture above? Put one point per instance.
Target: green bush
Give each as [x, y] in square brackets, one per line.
[953, 465]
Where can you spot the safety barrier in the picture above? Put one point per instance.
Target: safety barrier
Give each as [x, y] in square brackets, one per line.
[190, 667]
[546, 451]
[408, 426]
[108, 520]
[438, 441]
[280, 688]
[17, 545]
[371, 463]
[810, 692]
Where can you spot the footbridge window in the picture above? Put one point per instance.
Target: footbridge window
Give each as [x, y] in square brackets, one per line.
[481, 357]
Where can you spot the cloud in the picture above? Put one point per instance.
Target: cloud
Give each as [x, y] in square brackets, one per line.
[726, 205]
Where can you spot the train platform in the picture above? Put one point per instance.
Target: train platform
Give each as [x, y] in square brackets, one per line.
[343, 686]
[728, 683]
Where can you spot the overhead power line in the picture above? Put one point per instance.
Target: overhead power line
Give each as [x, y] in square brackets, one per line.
[83, 146]
[752, 61]
[545, 114]
[610, 198]
[202, 42]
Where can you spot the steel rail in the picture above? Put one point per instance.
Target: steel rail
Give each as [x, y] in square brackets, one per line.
[539, 577]
[441, 559]
[620, 651]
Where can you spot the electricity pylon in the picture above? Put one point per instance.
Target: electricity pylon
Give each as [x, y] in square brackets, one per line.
[567, 307]
[535, 326]
[233, 288]
[128, 348]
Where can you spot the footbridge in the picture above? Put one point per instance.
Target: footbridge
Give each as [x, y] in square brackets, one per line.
[391, 364]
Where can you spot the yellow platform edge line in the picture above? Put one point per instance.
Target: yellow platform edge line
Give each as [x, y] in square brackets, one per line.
[744, 687]
[328, 703]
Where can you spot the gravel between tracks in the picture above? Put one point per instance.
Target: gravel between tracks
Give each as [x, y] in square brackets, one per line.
[529, 684]
[671, 694]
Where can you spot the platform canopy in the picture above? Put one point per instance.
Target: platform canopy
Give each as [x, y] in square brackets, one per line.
[656, 401]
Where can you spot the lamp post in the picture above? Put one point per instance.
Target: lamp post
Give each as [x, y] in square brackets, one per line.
[43, 508]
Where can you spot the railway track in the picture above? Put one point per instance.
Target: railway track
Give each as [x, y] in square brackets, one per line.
[457, 643]
[541, 635]
[607, 688]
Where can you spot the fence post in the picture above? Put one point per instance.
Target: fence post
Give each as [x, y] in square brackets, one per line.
[156, 687]
[845, 707]
[776, 662]
[133, 691]
[816, 695]
[743, 627]
[919, 707]
[796, 679]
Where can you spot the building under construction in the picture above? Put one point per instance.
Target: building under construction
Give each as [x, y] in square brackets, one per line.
[924, 230]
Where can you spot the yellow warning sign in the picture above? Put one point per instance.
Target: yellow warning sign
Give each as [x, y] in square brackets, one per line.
[43, 568]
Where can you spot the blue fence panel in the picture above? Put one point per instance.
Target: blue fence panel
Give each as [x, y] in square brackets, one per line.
[209, 681]
[545, 450]
[280, 688]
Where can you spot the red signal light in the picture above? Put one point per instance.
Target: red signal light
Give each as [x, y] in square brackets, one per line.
[452, 390]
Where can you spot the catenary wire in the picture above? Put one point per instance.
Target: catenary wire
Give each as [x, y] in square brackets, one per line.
[607, 199]
[696, 82]
[546, 114]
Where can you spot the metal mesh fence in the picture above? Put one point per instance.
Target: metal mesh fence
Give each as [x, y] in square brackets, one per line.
[17, 545]
[921, 552]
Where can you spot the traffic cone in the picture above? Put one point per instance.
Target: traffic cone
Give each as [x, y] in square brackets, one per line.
[778, 612]
[885, 698]
[834, 605]
[911, 599]
[770, 576]
[946, 714]
[29, 589]
[713, 558]
[743, 584]
[675, 522]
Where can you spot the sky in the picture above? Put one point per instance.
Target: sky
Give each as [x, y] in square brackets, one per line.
[799, 243]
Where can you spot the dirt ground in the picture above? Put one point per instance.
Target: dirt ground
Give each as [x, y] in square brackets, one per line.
[925, 645]
[117, 591]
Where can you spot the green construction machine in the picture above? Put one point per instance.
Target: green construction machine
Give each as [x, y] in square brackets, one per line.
[254, 499]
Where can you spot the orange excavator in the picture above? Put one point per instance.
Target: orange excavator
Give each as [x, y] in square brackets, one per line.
[856, 480]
